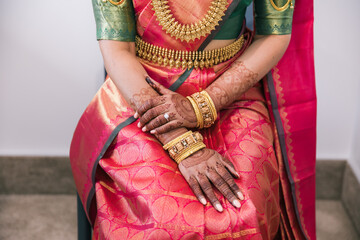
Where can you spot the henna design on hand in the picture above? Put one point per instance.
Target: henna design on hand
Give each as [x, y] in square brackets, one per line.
[208, 166]
[232, 84]
[140, 98]
[198, 157]
[184, 108]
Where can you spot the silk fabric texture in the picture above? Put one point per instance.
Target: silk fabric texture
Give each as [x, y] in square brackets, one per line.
[136, 191]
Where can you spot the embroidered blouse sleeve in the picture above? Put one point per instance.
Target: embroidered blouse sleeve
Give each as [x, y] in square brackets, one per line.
[273, 16]
[115, 20]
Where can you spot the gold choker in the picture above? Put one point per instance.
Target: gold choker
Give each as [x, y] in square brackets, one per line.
[186, 59]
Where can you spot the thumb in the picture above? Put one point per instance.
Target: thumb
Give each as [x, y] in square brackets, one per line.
[158, 87]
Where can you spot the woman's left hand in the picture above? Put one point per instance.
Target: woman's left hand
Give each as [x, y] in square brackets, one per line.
[166, 112]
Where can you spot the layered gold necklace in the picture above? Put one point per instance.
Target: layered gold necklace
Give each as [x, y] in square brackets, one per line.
[188, 32]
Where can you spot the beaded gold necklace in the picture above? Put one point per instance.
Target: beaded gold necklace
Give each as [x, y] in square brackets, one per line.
[186, 32]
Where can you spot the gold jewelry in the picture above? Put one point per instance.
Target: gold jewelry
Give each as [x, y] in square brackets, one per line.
[184, 145]
[200, 122]
[185, 31]
[186, 59]
[211, 104]
[283, 8]
[174, 141]
[193, 149]
[206, 107]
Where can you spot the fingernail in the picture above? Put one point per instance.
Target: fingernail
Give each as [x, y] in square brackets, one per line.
[237, 174]
[152, 131]
[219, 207]
[240, 195]
[143, 129]
[138, 125]
[203, 201]
[136, 115]
[236, 203]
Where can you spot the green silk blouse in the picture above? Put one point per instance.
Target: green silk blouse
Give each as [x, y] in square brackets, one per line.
[114, 22]
[117, 22]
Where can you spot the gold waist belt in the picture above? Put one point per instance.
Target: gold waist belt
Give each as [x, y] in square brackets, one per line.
[186, 59]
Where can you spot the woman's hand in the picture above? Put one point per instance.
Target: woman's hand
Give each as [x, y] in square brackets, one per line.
[166, 112]
[207, 166]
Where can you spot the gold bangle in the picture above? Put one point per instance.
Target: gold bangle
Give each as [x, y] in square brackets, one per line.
[193, 149]
[184, 143]
[174, 141]
[181, 146]
[211, 104]
[200, 121]
[205, 109]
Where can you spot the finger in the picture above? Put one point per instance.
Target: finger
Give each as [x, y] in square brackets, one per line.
[230, 181]
[158, 87]
[166, 127]
[151, 103]
[207, 189]
[230, 166]
[223, 187]
[194, 185]
[150, 114]
[156, 122]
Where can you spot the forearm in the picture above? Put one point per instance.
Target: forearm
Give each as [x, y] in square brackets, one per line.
[249, 68]
[129, 77]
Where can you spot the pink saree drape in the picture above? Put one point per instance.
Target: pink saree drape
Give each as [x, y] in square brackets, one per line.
[131, 189]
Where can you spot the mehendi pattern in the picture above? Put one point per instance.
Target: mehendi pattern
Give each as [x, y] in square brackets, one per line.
[232, 84]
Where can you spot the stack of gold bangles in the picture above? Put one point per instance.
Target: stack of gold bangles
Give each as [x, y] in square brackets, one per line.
[189, 143]
[204, 108]
[184, 145]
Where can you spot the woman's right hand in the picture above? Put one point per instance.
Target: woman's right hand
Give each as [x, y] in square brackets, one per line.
[208, 166]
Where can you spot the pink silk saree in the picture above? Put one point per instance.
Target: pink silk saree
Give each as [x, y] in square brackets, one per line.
[131, 189]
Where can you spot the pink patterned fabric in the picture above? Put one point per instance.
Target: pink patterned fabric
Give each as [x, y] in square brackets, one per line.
[140, 193]
[137, 191]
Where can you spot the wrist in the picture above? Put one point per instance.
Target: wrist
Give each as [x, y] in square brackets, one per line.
[215, 100]
[164, 138]
[184, 145]
[205, 109]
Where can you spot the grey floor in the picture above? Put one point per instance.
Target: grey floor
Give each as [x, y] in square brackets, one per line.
[54, 217]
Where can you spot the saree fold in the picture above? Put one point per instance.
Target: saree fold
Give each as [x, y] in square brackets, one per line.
[131, 189]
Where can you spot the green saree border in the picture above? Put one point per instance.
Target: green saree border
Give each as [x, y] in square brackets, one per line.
[281, 137]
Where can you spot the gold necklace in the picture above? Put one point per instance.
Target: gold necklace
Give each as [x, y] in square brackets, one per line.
[283, 8]
[186, 32]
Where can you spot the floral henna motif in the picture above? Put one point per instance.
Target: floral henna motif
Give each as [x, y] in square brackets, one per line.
[198, 157]
[140, 98]
[232, 84]
[184, 109]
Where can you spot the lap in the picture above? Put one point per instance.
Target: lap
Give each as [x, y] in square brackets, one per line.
[139, 188]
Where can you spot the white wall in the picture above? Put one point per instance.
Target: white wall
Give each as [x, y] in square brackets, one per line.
[337, 64]
[50, 67]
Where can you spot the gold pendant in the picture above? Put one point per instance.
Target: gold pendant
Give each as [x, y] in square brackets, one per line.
[186, 32]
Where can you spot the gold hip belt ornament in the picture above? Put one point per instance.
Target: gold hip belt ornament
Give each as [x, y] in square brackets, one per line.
[186, 59]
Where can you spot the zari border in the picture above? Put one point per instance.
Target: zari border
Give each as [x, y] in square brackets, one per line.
[287, 154]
